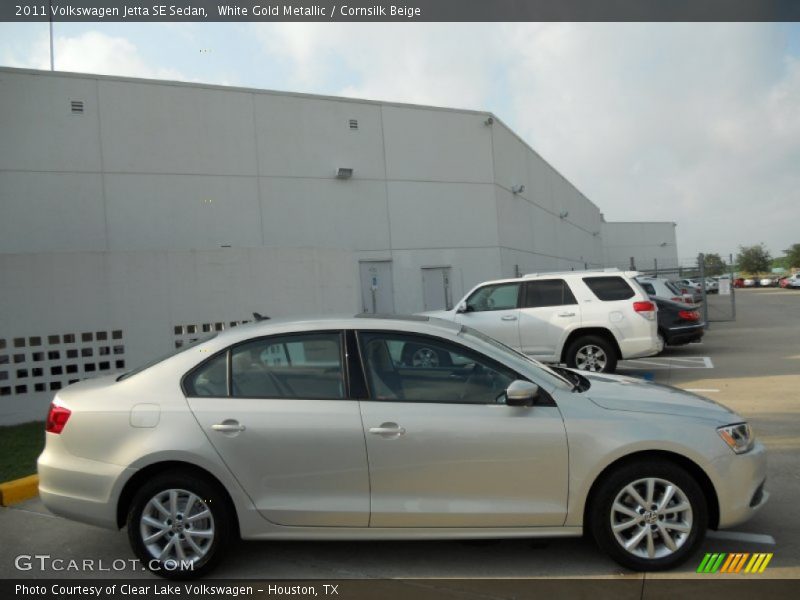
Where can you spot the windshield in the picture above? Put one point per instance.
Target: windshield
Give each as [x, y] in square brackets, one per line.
[164, 357]
[547, 372]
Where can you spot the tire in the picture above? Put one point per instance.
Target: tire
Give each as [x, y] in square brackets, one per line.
[145, 518]
[592, 353]
[417, 355]
[685, 528]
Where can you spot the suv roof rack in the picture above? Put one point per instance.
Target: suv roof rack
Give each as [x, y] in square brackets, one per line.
[607, 270]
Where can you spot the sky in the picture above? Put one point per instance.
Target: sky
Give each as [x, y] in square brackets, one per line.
[693, 123]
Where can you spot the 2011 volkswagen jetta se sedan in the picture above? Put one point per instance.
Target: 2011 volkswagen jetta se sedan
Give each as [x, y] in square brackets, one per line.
[317, 430]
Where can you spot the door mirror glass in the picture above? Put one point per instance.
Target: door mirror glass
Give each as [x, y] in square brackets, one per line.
[521, 393]
[462, 308]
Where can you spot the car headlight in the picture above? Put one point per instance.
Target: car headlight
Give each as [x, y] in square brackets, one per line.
[739, 437]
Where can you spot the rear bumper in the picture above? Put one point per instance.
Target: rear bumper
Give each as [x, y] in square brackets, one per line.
[676, 336]
[80, 489]
[639, 347]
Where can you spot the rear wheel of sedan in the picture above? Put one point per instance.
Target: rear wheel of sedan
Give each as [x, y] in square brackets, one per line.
[592, 353]
[179, 525]
[649, 515]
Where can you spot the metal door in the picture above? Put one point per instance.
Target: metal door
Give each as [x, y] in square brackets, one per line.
[436, 288]
[377, 292]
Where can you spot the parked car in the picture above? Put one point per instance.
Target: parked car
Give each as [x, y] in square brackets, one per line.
[586, 319]
[678, 324]
[766, 282]
[664, 288]
[793, 281]
[312, 431]
[692, 284]
[738, 282]
[693, 290]
[712, 286]
[749, 282]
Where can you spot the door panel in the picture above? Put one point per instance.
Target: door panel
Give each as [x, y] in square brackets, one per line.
[377, 291]
[302, 462]
[445, 451]
[494, 310]
[285, 429]
[463, 465]
[549, 311]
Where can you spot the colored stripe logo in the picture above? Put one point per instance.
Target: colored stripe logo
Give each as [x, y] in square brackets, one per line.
[735, 562]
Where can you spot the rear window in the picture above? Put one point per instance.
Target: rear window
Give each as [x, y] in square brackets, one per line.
[609, 288]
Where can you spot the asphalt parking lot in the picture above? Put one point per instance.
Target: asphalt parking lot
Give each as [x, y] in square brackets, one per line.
[752, 365]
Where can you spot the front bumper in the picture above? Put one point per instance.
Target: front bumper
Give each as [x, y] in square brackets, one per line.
[740, 483]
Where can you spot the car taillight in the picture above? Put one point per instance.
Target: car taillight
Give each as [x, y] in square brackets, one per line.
[645, 308]
[689, 315]
[57, 418]
[677, 299]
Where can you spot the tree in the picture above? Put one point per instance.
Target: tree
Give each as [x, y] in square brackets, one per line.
[793, 256]
[753, 259]
[714, 265]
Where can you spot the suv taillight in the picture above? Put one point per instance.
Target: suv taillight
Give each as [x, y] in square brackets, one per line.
[689, 315]
[645, 308]
[56, 419]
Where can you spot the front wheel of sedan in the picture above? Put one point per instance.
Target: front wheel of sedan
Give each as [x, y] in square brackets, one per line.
[649, 516]
[179, 525]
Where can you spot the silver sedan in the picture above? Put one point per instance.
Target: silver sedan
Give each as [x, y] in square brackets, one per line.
[325, 429]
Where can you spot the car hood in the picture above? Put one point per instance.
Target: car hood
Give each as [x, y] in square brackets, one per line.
[617, 392]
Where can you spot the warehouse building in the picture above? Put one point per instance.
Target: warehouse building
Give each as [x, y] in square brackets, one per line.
[136, 215]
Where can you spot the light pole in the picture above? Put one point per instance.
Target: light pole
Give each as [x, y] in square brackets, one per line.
[50, 17]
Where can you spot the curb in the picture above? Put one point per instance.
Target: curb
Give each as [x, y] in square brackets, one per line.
[18, 490]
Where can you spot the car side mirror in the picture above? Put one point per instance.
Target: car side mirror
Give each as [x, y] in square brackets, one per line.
[464, 308]
[521, 393]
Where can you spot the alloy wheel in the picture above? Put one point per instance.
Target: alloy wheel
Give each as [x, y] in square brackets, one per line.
[177, 525]
[425, 358]
[651, 518]
[591, 358]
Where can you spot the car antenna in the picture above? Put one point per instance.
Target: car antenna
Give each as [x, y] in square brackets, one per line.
[260, 317]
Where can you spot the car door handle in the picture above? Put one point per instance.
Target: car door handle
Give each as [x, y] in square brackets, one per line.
[388, 429]
[228, 427]
[509, 318]
[566, 314]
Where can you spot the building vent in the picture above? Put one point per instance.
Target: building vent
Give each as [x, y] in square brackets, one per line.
[76, 106]
[353, 123]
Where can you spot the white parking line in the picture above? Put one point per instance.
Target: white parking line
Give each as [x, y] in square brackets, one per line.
[741, 536]
[668, 362]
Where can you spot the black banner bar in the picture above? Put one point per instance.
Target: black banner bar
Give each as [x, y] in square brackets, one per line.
[399, 10]
[633, 587]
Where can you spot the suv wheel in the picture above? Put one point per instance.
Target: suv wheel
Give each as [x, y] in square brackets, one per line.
[423, 357]
[592, 353]
[179, 525]
[649, 516]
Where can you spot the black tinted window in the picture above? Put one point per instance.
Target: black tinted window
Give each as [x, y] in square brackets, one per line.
[550, 292]
[609, 288]
[494, 297]
[293, 366]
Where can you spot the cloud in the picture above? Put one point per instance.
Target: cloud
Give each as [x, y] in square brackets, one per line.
[693, 123]
[92, 52]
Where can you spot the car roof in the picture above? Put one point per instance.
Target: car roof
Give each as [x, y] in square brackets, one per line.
[271, 326]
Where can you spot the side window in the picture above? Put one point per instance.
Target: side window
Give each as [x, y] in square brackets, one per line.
[209, 379]
[307, 366]
[430, 370]
[548, 292]
[494, 297]
[609, 288]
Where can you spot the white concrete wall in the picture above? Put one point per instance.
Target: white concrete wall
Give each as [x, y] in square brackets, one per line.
[646, 242]
[145, 295]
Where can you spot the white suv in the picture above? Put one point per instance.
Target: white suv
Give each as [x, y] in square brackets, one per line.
[586, 319]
